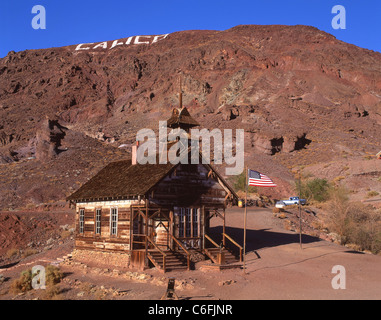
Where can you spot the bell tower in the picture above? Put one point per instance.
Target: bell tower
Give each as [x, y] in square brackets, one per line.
[181, 117]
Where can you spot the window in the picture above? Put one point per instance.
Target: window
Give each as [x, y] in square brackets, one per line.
[195, 222]
[81, 220]
[181, 222]
[114, 221]
[98, 221]
[188, 222]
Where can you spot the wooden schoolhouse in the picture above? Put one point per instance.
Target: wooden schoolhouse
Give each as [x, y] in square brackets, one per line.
[156, 214]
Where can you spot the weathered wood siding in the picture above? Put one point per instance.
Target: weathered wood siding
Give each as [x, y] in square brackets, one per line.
[189, 186]
[194, 187]
[105, 240]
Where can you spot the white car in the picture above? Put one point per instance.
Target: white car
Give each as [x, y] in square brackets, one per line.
[280, 205]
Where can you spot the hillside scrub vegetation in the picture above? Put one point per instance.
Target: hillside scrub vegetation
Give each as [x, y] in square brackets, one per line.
[53, 276]
[239, 184]
[355, 223]
[317, 189]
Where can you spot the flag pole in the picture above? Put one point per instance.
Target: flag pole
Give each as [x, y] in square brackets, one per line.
[244, 223]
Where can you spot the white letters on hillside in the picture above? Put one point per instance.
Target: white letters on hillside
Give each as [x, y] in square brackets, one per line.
[130, 40]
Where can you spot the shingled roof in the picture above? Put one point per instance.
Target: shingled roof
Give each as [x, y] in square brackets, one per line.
[120, 179]
[181, 118]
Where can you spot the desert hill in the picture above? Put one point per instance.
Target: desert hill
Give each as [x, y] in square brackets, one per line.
[305, 100]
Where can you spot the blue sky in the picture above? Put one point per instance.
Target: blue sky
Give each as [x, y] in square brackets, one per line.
[79, 21]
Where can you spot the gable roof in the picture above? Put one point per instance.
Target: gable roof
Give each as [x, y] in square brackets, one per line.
[181, 118]
[121, 180]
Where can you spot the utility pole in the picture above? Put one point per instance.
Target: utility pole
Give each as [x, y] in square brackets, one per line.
[244, 223]
[300, 212]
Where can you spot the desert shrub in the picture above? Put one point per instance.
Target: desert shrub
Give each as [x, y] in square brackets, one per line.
[23, 283]
[12, 253]
[276, 210]
[338, 179]
[29, 252]
[53, 275]
[239, 183]
[371, 194]
[52, 293]
[354, 222]
[316, 189]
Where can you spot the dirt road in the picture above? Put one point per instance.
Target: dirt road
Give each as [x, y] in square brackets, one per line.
[277, 268]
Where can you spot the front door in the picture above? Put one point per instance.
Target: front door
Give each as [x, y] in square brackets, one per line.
[161, 233]
[188, 226]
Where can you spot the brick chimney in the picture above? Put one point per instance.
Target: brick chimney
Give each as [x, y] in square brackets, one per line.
[134, 153]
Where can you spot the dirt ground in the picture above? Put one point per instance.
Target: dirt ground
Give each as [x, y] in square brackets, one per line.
[277, 268]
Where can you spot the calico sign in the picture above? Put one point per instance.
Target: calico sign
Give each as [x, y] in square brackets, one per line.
[122, 42]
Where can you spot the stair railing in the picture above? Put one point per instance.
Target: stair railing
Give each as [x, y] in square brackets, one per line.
[183, 248]
[212, 241]
[158, 249]
[235, 243]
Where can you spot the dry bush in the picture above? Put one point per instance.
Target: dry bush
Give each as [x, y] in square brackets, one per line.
[52, 293]
[29, 252]
[276, 210]
[23, 283]
[371, 194]
[356, 223]
[338, 179]
[53, 275]
[12, 253]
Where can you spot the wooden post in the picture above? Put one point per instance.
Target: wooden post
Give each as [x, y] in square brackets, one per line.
[223, 230]
[244, 225]
[131, 228]
[203, 226]
[171, 228]
[300, 213]
[146, 233]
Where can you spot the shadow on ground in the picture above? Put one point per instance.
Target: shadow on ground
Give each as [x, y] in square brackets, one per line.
[259, 239]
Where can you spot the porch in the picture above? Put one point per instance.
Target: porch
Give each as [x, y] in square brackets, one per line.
[175, 238]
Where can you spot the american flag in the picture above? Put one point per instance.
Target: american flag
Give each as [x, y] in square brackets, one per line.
[260, 180]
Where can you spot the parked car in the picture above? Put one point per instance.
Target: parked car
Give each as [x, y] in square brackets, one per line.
[280, 205]
[294, 200]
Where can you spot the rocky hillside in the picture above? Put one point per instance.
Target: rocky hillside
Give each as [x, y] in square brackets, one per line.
[304, 99]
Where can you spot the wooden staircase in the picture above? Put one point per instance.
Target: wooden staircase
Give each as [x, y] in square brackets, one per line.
[229, 259]
[171, 261]
[213, 253]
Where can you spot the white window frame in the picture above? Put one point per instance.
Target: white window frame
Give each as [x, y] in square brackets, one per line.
[98, 217]
[81, 221]
[113, 222]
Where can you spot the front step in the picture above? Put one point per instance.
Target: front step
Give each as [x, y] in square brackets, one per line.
[212, 253]
[173, 260]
